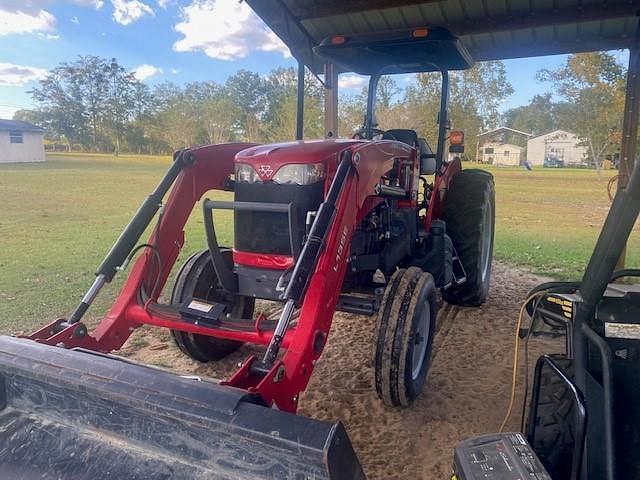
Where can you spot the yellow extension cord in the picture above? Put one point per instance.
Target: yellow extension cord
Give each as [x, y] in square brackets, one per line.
[516, 353]
[516, 356]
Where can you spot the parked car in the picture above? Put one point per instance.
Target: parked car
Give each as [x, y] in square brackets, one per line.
[553, 162]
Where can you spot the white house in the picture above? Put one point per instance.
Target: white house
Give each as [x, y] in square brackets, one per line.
[558, 145]
[495, 148]
[505, 154]
[20, 142]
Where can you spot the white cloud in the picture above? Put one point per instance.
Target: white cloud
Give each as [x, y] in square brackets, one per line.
[97, 4]
[129, 11]
[144, 71]
[225, 29]
[31, 6]
[48, 36]
[25, 21]
[18, 75]
[175, 71]
[351, 81]
[164, 3]
[20, 16]
[75, 20]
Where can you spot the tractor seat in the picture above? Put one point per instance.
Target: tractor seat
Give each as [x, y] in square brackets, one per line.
[427, 158]
[404, 135]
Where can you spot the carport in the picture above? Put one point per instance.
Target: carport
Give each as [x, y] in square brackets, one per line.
[496, 30]
[490, 30]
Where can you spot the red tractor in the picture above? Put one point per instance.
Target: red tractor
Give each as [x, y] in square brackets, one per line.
[375, 226]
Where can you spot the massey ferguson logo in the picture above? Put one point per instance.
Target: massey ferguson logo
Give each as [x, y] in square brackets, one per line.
[265, 171]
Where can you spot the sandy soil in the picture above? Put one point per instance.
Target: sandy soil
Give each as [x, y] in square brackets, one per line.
[467, 390]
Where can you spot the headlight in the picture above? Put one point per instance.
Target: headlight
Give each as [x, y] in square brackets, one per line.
[246, 173]
[302, 174]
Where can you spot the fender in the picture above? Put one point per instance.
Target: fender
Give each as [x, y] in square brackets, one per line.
[440, 189]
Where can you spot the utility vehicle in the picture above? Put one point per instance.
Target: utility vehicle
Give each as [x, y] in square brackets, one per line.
[584, 405]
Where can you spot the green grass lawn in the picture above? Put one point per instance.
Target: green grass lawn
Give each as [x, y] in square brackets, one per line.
[548, 220]
[59, 218]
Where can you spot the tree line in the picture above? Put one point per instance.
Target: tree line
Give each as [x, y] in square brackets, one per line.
[95, 104]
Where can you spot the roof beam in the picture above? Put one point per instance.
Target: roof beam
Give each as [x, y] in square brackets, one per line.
[538, 49]
[536, 18]
[330, 8]
[547, 17]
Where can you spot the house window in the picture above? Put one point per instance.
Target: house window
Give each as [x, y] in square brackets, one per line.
[15, 136]
[488, 150]
[506, 153]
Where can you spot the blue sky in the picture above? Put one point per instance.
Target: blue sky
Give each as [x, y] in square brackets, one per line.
[163, 40]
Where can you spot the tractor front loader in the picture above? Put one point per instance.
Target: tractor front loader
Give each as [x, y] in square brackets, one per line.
[373, 225]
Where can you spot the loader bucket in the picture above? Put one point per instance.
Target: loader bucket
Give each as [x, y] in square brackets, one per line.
[72, 414]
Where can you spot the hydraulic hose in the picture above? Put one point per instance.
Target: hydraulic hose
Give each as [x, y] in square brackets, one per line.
[308, 260]
[128, 238]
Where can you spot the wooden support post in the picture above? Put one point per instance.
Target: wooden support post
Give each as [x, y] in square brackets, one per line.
[330, 101]
[630, 123]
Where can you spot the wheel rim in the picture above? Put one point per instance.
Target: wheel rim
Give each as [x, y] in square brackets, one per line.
[421, 341]
[486, 243]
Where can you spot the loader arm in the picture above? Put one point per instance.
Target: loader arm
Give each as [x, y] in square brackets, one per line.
[209, 168]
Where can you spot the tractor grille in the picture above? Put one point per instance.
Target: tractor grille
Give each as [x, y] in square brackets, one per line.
[266, 232]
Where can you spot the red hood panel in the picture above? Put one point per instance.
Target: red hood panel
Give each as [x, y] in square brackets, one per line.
[267, 159]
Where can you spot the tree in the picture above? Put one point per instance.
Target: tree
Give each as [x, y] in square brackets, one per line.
[219, 116]
[593, 85]
[90, 101]
[60, 104]
[474, 100]
[541, 115]
[248, 90]
[120, 102]
[176, 122]
[281, 105]
[89, 76]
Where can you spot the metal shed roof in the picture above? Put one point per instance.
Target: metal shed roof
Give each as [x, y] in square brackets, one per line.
[490, 29]
[504, 129]
[18, 125]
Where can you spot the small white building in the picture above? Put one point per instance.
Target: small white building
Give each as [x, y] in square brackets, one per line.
[504, 154]
[495, 147]
[558, 146]
[20, 142]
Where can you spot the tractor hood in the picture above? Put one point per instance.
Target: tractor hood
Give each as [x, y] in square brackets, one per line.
[267, 159]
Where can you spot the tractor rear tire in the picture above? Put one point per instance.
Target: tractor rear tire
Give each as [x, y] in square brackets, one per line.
[554, 431]
[197, 278]
[406, 326]
[469, 214]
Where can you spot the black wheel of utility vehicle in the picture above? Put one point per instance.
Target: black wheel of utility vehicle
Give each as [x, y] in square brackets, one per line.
[197, 278]
[469, 214]
[406, 325]
[554, 428]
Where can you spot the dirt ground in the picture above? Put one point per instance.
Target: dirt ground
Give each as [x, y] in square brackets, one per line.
[467, 391]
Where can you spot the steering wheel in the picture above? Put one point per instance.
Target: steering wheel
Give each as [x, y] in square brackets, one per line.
[359, 134]
[374, 131]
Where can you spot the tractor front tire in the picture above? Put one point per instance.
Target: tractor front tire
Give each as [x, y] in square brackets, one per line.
[197, 278]
[469, 214]
[554, 430]
[406, 326]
